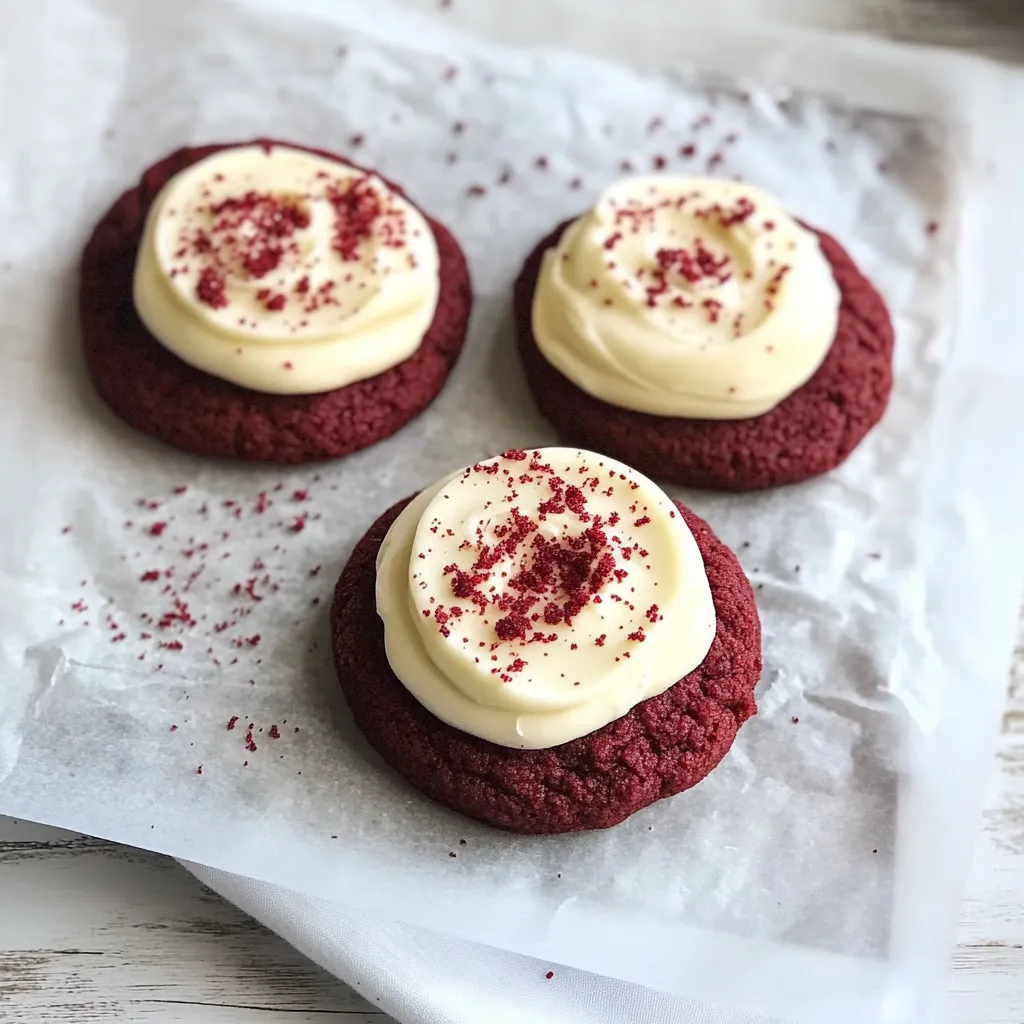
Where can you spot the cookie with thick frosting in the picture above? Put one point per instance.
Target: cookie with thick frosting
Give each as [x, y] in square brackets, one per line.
[546, 642]
[693, 329]
[270, 302]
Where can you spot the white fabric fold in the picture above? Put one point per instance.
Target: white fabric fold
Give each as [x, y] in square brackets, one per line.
[423, 977]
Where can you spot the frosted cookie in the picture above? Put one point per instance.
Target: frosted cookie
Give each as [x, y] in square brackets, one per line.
[545, 641]
[692, 328]
[271, 302]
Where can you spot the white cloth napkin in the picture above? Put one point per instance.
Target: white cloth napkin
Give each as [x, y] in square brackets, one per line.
[421, 977]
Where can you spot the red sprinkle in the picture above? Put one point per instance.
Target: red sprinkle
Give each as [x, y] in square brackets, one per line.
[210, 288]
[359, 210]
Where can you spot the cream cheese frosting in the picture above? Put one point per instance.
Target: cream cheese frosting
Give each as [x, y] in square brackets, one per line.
[285, 272]
[686, 297]
[537, 596]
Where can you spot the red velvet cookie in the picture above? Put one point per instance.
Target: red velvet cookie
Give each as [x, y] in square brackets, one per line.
[154, 391]
[807, 434]
[659, 748]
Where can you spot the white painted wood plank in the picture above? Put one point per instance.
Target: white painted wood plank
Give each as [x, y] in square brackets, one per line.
[92, 931]
[987, 986]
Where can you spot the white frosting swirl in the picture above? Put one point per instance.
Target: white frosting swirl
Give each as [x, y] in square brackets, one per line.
[285, 272]
[535, 597]
[686, 297]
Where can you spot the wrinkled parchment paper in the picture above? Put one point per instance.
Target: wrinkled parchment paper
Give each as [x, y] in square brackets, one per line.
[164, 660]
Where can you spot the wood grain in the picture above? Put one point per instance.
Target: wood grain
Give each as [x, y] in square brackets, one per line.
[988, 963]
[92, 931]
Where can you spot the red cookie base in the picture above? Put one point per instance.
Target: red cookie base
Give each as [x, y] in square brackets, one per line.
[661, 747]
[809, 433]
[154, 391]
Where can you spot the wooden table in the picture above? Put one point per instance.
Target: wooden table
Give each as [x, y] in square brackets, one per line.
[92, 932]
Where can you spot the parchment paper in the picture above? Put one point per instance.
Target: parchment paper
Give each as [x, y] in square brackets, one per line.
[164, 663]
